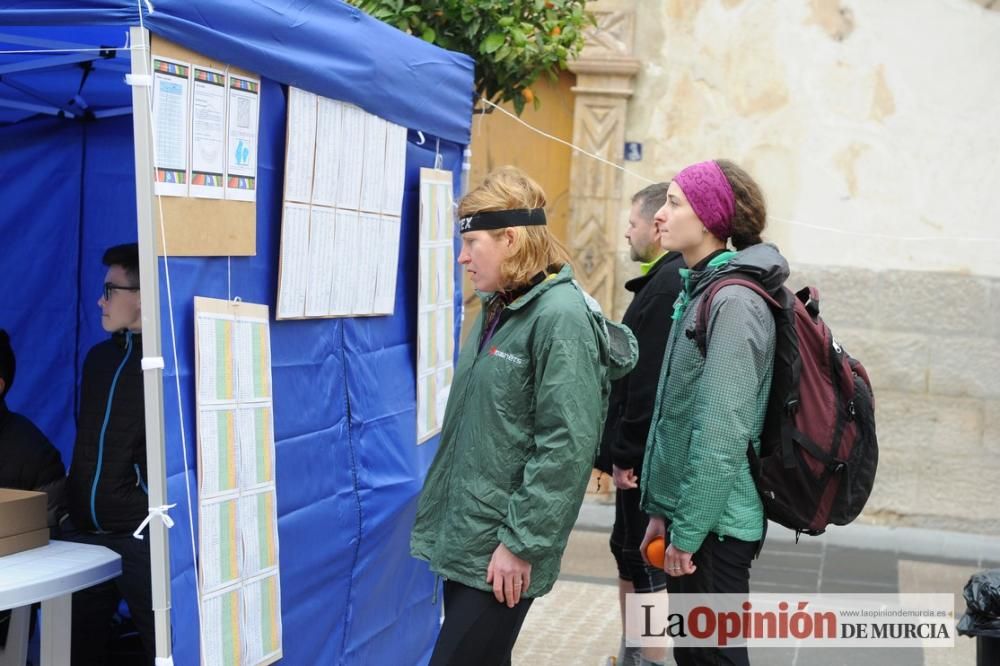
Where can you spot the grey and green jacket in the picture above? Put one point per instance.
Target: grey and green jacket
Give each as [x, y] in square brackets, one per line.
[520, 435]
[708, 409]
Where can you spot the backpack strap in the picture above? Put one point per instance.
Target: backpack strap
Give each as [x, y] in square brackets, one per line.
[700, 332]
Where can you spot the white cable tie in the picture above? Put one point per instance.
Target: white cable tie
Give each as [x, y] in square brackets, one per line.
[160, 511]
[152, 363]
[139, 80]
[420, 135]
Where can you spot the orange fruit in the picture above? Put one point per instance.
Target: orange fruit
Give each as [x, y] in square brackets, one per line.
[556, 31]
[655, 550]
[529, 96]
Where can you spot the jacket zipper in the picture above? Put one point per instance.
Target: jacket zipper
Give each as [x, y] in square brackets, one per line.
[138, 478]
[104, 430]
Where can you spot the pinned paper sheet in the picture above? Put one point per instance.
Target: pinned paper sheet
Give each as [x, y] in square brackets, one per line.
[435, 301]
[344, 177]
[208, 133]
[171, 87]
[238, 555]
[241, 167]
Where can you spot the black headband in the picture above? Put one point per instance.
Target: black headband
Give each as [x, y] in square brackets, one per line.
[500, 219]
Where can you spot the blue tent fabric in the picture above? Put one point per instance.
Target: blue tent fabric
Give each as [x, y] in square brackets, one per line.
[297, 42]
[347, 464]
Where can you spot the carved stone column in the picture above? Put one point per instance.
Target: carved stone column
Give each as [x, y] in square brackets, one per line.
[604, 72]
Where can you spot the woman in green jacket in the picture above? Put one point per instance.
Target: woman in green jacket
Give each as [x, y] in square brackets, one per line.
[521, 427]
[697, 487]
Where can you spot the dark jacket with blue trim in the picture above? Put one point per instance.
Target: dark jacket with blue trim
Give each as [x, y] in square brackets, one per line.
[106, 489]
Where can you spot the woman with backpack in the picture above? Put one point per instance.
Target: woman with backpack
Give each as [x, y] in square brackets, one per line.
[521, 426]
[697, 487]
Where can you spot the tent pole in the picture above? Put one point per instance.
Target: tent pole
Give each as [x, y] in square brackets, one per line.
[149, 282]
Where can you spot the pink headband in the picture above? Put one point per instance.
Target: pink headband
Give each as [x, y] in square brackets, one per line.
[711, 196]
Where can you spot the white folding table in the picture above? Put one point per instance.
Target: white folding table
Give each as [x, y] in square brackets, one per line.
[50, 575]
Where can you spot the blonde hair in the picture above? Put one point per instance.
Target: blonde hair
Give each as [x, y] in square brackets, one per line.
[534, 248]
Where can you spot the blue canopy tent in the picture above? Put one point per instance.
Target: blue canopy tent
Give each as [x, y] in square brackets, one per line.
[348, 468]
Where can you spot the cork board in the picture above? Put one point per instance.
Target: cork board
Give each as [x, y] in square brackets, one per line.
[204, 227]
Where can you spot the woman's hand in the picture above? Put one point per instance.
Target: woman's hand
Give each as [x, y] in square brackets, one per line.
[656, 528]
[677, 562]
[509, 574]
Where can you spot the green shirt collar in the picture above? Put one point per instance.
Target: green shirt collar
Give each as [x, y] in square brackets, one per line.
[644, 268]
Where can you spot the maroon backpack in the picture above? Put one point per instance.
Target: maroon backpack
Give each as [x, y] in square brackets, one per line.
[818, 451]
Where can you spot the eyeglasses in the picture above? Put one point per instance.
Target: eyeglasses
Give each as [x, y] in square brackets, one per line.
[109, 287]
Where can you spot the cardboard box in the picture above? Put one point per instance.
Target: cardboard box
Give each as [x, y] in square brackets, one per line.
[23, 520]
[27, 541]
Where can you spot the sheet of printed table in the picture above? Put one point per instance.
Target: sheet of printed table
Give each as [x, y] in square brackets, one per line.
[238, 517]
[436, 301]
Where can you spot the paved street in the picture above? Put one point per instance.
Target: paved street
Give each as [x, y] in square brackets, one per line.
[577, 624]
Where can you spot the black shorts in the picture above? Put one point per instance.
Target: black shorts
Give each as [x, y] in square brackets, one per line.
[626, 537]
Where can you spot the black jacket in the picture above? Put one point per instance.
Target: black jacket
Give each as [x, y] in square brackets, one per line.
[106, 488]
[28, 461]
[631, 403]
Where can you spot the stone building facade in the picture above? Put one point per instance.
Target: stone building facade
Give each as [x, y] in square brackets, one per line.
[873, 129]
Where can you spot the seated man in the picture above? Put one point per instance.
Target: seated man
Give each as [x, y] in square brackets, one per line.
[106, 489]
[28, 461]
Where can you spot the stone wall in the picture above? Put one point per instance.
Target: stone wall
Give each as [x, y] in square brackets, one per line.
[872, 128]
[931, 343]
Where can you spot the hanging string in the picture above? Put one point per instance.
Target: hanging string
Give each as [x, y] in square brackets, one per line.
[568, 144]
[796, 223]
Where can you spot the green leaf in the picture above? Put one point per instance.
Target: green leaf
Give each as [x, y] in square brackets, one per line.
[428, 34]
[506, 21]
[492, 42]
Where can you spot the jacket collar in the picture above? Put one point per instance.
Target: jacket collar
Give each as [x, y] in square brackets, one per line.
[550, 280]
[639, 281]
[565, 274]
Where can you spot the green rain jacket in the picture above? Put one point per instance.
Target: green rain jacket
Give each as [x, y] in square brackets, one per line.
[520, 435]
[708, 409]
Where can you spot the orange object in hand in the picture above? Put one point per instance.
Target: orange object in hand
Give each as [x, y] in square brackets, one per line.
[655, 550]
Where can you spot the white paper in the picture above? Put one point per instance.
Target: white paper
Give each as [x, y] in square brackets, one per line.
[329, 143]
[395, 170]
[241, 160]
[217, 376]
[171, 86]
[219, 453]
[435, 309]
[368, 243]
[385, 282]
[351, 157]
[373, 178]
[301, 145]
[322, 224]
[215, 526]
[208, 133]
[263, 636]
[255, 523]
[294, 261]
[346, 267]
[215, 625]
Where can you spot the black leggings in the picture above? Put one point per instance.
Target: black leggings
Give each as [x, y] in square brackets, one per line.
[723, 568]
[477, 628]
